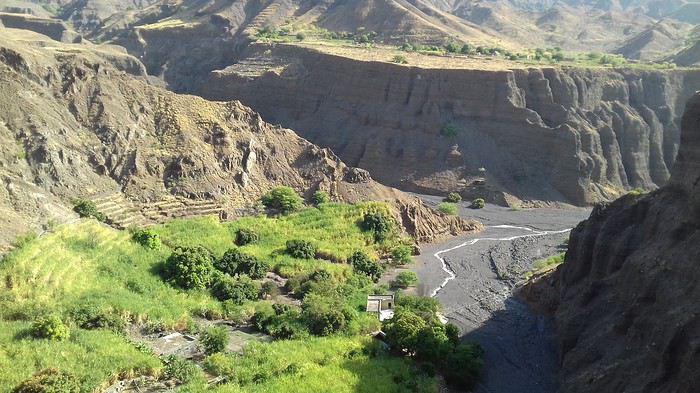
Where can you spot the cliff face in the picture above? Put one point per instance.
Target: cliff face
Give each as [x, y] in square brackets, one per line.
[628, 318]
[80, 121]
[575, 135]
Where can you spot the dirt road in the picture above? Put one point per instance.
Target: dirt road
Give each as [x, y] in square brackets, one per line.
[478, 275]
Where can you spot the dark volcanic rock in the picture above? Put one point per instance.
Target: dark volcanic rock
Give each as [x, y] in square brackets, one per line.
[629, 318]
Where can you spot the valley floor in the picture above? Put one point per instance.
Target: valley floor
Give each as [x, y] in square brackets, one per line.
[521, 354]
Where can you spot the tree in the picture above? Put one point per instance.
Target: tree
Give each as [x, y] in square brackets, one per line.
[50, 327]
[214, 339]
[402, 331]
[238, 290]
[87, 209]
[246, 236]
[453, 197]
[283, 199]
[379, 224]
[147, 238]
[432, 343]
[234, 261]
[301, 249]
[452, 332]
[463, 365]
[50, 381]
[452, 47]
[320, 197]
[362, 264]
[190, 267]
[405, 280]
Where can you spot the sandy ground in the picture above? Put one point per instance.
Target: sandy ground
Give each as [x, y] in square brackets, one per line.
[521, 353]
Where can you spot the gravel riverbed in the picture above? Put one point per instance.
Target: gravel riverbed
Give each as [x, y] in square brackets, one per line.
[521, 353]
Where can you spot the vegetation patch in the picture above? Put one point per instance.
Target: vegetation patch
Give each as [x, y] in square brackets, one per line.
[546, 264]
[450, 209]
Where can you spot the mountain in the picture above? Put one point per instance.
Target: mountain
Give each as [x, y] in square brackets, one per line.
[81, 121]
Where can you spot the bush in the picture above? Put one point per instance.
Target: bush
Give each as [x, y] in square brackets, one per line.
[401, 254]
[405, 280]
[301, 249]
[147, 238]
[478, 203]
[182, 370]
[453, 197]
[324, 317]
[320, 197]
[49, 381]
[452, 47]
[234, 261]
[238, 290]
[449, 131]
[88, 209]
[50, 327]
[462, 366]
[362, 264]
[214, 339]
[246, 236]
[91, 316]
[398, 59]
[269, 290]
[190, 267]
[448, 208]
[283, 199]
[636, 192]
[379, 224]
[402, 331]
[301, 36]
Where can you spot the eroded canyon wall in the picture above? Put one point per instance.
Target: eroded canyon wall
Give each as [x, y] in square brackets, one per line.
[565, 134]
[628, 318]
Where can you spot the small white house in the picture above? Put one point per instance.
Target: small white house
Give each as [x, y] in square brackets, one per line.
[383, 305]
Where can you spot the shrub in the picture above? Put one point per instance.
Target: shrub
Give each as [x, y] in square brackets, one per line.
[301, 249]
[246, 236]
[379, 224]
[362, 264]
[283, 199]
[398, 59]
[269, 290]
[214, 339]
[405, 280]
[401, 254]
[301, 36]
[453, 197]
[147, 238]
[238, 290]
[234, 261]
[49, 381]
[448, 208]
[402, 331]
[320, 197]
[452, 47]
[190, 267]
[463, 365]
[449, 131]
[323, 316]
[88, 209]
[478, 203]
[91, 316]
[50, 327]
[452, 333]
[636, 192]
[182, 370]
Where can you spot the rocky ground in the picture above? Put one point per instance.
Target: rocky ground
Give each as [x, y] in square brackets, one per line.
[521, 351]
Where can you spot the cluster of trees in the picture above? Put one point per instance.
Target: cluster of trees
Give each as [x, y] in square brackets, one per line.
[379, 224]
[230, 278]
[415, 331]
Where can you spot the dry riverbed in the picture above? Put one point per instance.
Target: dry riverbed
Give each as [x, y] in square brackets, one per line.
[521, 354]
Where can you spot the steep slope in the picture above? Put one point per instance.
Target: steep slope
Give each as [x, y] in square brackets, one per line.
[628, 317]
[565, 134]
[80, 121]
[654, 43]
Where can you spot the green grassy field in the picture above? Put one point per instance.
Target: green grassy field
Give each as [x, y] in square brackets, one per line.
[90, 263]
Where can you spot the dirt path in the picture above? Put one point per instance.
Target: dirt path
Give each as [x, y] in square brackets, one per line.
[473, 277]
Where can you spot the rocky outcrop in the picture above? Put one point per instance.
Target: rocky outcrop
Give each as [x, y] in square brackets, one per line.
[567, 134]
[52, 28]
[628, 317]
[79, 121]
